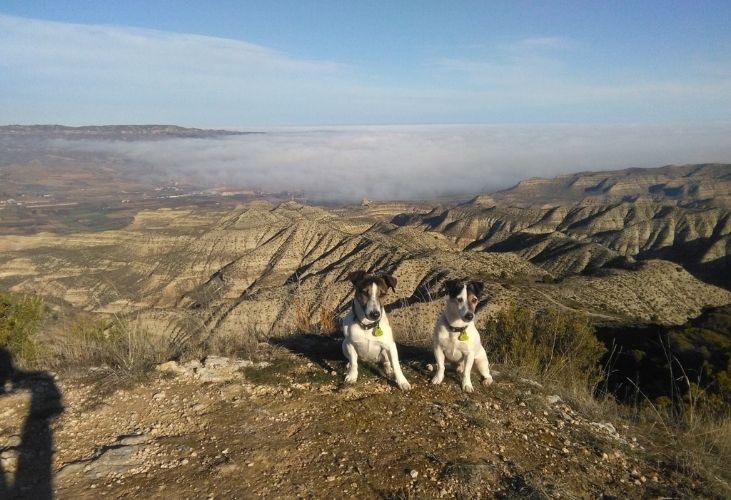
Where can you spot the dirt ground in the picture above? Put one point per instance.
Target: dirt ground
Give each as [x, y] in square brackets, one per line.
[289, 429]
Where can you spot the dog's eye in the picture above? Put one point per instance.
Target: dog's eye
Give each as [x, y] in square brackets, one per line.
[460, 299]
[474, 300]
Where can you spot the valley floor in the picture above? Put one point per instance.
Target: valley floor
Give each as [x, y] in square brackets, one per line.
[287, 428]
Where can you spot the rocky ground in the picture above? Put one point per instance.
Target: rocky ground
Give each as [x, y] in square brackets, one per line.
[285, 426]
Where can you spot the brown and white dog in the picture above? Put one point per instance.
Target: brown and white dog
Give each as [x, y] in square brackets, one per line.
[456, 338]
[368, 335]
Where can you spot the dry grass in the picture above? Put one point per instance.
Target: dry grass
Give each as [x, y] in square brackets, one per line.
[695, 442]
[559, 350]
[309, 318]
[327, 322]
[302, 316]
[120, 346]
[20, 317]
[242, 344]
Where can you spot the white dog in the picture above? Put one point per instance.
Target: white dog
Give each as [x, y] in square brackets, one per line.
[368, 335]
[456, 338]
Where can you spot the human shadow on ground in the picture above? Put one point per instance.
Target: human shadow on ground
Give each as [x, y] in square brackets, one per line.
[34, 468]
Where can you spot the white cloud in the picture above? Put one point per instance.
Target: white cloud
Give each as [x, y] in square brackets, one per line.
[421, 162]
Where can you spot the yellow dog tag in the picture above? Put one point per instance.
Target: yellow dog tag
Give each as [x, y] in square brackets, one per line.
[377, 332]
[463, 337]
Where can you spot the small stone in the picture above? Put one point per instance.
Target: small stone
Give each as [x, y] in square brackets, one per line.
[414, 474]
[555, 398]
[330, 479]
[134, 440]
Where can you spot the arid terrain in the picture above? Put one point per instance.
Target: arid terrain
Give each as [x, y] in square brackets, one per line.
[193, 265]
[288, 429]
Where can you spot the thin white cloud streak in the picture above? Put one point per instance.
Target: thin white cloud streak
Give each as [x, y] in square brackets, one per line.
[385, 163]
[93, 74]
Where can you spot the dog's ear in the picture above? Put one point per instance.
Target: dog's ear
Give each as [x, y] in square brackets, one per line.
[477, 287]
[390, 281]
[356, 276]
[453, 287]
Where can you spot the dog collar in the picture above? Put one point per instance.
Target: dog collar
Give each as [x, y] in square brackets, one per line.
[377, 332]
[454, 329]
[462, 330]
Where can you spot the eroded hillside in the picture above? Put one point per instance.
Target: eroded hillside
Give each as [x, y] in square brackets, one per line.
[260, 267]
[566, 238]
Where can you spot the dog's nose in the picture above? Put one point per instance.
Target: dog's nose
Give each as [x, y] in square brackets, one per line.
[469, 316]
[374, 314]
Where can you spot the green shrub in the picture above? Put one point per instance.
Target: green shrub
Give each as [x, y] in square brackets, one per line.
[551, 344]
[20, 316]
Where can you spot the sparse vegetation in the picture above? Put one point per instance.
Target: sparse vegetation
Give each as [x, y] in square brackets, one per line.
[319, 318]
[121, 346]
[20, 316]
[679, 368]
[240, 344]
[554, 345]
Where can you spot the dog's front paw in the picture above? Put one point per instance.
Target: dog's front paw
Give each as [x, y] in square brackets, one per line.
[437, 379]
[403, 384]
[351, 378]
[487, 381]
[467, 387]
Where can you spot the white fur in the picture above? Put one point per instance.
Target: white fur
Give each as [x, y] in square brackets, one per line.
[360, 344]
[465, 354]
[373, 303]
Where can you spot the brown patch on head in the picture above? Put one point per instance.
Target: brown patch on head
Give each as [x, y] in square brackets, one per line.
[472, 301]
[363, 281]
[455, 289]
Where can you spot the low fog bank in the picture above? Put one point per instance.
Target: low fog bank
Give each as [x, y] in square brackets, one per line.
[418, 162]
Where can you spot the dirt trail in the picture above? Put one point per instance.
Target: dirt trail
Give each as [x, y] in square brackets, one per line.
[290, 430]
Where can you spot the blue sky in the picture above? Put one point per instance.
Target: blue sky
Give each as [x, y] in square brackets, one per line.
[262, 64]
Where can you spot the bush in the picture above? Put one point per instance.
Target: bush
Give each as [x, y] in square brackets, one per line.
[551, 344]
[20, 316]
[686, 367]
[309, 318]
[120, 345]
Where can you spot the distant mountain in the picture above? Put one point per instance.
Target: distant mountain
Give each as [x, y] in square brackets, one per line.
[686, 182]
[588, 221]
[111, 132]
